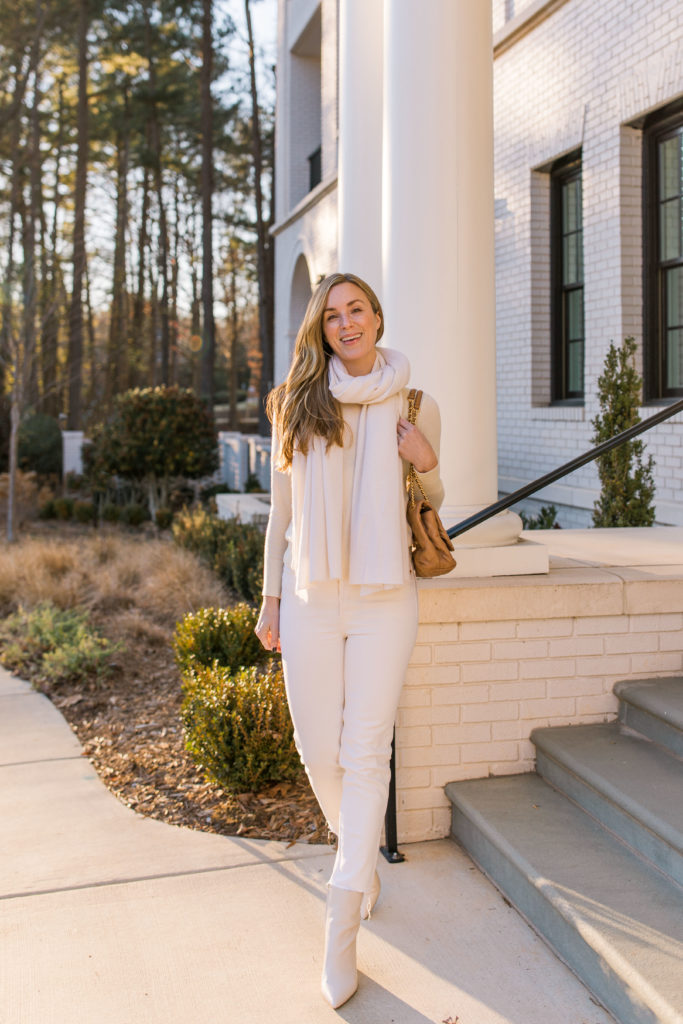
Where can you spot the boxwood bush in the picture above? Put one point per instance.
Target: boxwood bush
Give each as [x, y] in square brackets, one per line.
[232, 549]
[222, 635]
[237, 726]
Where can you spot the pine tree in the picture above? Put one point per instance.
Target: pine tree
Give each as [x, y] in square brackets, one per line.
[627, 495]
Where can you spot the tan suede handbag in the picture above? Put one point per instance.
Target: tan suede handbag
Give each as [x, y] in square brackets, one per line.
[431, 548]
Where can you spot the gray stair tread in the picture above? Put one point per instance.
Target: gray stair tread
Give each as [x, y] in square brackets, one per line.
[662, 698]
[637, 775]
[630, 914]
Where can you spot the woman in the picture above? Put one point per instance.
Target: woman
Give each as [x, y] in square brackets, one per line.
[340, 599]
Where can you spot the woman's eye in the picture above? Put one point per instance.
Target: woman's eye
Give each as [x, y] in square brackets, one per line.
[332, 316]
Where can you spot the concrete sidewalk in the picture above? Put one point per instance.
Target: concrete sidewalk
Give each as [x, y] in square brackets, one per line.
[110, 918]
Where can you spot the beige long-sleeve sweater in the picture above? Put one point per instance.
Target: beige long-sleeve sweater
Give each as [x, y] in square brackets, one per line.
[278, 551]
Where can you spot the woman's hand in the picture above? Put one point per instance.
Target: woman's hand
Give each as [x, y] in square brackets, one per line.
[268, 625]
[414, 447]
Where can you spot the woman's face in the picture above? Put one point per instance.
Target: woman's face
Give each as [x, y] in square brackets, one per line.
[350, 327]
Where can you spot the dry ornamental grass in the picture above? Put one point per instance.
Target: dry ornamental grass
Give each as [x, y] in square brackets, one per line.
[136, 589]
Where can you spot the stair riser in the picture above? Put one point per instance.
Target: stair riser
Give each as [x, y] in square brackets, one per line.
[633, 832]
[548, 920]
[656, 729]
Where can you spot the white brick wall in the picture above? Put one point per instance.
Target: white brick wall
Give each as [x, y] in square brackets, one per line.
[576, 79]
[521, 653]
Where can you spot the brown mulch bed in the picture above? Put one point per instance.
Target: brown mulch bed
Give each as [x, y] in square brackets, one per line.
[130, 728]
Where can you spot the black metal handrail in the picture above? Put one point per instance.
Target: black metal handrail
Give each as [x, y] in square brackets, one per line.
[390, 849]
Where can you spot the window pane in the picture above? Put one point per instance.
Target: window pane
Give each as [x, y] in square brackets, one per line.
[670, 167]
[674, 297]
[574, 308]
[571, 205]
[572, 259]
[674, 359]
[575, 368]
[670, 230]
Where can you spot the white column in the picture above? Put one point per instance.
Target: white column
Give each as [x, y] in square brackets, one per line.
[360, 139]
[438, 242]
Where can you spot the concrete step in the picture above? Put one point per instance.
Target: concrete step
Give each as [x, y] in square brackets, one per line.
[631, 785]
[616, 921]
[654, 707]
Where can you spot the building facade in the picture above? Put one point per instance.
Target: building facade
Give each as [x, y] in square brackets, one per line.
[588, 143]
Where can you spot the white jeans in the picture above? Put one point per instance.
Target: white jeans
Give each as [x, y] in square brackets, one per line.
[344, 656]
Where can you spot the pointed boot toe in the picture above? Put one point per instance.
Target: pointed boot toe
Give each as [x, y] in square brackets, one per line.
[342, 921]
[370, 898]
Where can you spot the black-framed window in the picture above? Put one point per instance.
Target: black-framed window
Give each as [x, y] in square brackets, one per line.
[568, 338]
[663, 236]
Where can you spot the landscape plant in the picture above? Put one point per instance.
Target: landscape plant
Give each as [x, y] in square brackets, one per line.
[626, 476]
[237, 726]
[154, 437]
[234, 550]
[223, 636]
[54, 644]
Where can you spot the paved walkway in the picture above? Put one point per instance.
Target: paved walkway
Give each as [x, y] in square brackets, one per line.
[110, 918]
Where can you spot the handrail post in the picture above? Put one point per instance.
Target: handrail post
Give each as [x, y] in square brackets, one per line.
[390, 849]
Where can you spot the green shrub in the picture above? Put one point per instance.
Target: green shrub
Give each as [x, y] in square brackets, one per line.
[64, 508]
[40, 445]
[48, 511]
[111, 512]
[626, 476]
[545, 520]
[134, 514]
[84, 511]
[238, 728]
[153, 437]
[252, 485]
[245, 562]
[234, 550]
[222, 635]
[54, 643]
[163, 518]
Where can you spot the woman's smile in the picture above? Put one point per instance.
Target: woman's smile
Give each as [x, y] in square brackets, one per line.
[350, 328]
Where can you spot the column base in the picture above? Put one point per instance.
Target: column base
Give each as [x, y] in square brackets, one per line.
[494, 547]
[525, 558]
[498, 531]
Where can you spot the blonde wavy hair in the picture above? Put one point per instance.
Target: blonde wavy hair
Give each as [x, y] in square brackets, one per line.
[303, 407]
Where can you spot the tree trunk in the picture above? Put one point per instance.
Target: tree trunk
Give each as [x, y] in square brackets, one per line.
[208, 352]
[138, 325]
[116, 370]
[157, 157]
[174, 282]
[263, 245]
[234, 334]
[51, 285]
[75, 351]
[15, 416]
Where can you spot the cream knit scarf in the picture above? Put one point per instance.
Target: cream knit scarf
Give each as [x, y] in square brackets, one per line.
[378, 554]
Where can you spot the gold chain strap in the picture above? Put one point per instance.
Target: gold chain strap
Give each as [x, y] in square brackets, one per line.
[414, 401]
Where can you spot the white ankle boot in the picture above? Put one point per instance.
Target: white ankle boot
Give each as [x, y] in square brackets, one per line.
[370, 898]
[342, 921]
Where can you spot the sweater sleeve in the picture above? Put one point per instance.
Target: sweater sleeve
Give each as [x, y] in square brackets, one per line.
[278, 522]
[429, 422]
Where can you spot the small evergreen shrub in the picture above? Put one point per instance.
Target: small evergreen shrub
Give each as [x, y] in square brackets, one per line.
[234, 550]
[84, 512]
[252, 485]
[64, 508]
[163, 518]
[134, 514]
[628, 489]
[40, 445]
[218, 635]
[545, 520]
[48, 510]
[54, 643]
[237, 726]
[245, 562]
[111, 512]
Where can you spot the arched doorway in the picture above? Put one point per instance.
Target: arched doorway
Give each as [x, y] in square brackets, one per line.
[300, 294]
